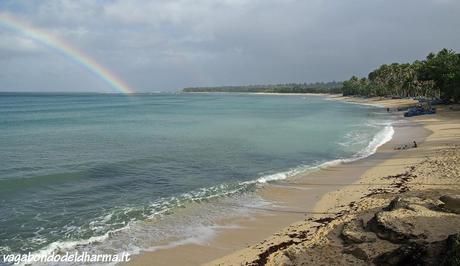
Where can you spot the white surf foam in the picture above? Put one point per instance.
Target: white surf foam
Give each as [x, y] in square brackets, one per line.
[382, 137]
[199, 235]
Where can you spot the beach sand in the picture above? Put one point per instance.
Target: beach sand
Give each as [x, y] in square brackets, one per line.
[378, 101]
[306, 209]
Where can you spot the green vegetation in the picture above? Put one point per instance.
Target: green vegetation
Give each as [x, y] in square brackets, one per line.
[438, 76]
[319, 87]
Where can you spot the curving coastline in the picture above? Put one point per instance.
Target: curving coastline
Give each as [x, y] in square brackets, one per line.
[290, 201]
[418, 177]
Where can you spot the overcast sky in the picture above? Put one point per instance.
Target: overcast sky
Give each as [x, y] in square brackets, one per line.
[160, 45]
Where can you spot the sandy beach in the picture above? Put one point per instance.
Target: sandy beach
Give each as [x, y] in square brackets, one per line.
[305, 220]
[377, 101]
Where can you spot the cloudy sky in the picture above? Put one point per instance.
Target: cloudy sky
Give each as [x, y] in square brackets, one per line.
[158, 45]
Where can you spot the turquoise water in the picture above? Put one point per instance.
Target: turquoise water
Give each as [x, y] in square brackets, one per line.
[79, 167]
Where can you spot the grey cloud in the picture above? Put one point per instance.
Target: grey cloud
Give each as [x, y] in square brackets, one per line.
[167, 45]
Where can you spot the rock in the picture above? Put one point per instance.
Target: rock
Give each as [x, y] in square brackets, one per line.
[353, 232]
[413, 218]
[356, 252]
[411, 254]
[281, 259]
[452, 251]
[384, 228]
[407, 202]
[444, 253]
[451, 202]
[394, 204]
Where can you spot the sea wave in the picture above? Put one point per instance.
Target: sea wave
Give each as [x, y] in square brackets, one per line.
[164, 206]
[382, 137]
[156, 210]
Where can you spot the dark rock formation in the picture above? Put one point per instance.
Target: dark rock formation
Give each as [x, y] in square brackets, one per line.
[443, 253]
[410, 254]
[451, 252]
[357, 252]
[451, 203]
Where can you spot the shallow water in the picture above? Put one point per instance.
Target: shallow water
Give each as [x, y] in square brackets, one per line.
[74, 168]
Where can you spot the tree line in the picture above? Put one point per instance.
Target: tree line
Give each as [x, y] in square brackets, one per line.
[437, 77]
[318, 87]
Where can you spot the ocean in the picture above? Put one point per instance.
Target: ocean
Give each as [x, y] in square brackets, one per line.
[114, 173]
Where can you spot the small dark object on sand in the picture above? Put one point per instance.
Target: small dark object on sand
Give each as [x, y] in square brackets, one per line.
[415, 144]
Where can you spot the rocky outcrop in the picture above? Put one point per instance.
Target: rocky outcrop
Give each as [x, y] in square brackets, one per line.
[451, 203]
[410, 254]
[413, 218]
[451, 252]
[443, 253]
[354, 232]
[410, 230]
[357, 252]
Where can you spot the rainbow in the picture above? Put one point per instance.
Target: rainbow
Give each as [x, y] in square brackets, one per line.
[67, 50]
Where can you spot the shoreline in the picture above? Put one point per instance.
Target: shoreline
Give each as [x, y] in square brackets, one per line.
[376, 101]
[291, 204]
[334, 236]
[261, 93]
